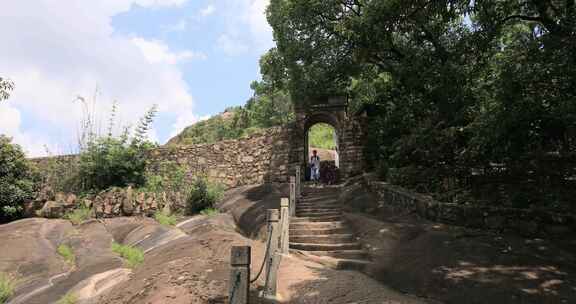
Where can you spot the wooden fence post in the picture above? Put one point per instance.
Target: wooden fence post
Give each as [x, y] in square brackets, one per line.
[298, 183]
[273, 261]
[240, 275]
[292, 196]
[284, 224]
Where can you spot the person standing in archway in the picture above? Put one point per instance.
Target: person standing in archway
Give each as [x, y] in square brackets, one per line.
[315, 166]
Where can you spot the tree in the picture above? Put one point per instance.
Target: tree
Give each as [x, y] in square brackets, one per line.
[6, 86]
[453, 85]
[16, 179]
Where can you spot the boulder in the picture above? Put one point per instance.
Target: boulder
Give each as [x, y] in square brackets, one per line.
[71, 200]
[53, 209]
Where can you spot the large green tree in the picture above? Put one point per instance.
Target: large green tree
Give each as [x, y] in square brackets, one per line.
[452, 86]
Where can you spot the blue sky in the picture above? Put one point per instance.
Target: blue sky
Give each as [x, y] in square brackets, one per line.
[193, 58]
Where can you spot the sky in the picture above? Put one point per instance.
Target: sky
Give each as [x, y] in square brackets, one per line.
[193, 58]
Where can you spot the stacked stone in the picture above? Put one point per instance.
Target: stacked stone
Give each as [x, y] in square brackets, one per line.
[111, 203]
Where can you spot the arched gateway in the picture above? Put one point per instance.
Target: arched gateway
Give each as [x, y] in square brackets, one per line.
[348, 128]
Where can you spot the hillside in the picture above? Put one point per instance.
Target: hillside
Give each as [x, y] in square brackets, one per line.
[264, 110]
[216, 128]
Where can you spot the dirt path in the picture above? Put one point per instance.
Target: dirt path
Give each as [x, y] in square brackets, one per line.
[458, 265]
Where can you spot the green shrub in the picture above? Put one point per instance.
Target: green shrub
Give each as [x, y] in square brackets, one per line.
[79, 215]
[166, 177]
[17, 180]
[210, 212]
[113, 162]
[132, 256]
[67, 253]
[7, 285]
[69, 298]
[203, 195]
[165, 219]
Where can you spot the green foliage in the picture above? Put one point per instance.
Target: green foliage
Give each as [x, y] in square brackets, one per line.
[79, 215]
[203, 195]
[67, 253]
[109, 162]
[132, 256]
[165, 219]
[210, 212]
[166, 176]
[17, 179]
[7, 286]
[6, 85]
[451, 87]
[69, 298]
[322, 136]
[115, 161]
[267, 108]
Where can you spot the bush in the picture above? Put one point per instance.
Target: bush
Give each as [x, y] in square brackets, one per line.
[113, 162]
[17, 179]
[203, 195]
[68, 299]
[166, 177]
[210, 212]
[79, 215]
[7, 285]
[66, 252]
[132, 256]
[165, 219]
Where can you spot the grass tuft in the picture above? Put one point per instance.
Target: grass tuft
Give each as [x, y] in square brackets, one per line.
[66, 252]
[79, 215]
[210, 212]
[131, 255]
[165, 219]
[7, 285]
[69, 298]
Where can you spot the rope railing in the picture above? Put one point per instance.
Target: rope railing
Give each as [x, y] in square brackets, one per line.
[277, 243]
[266, 255]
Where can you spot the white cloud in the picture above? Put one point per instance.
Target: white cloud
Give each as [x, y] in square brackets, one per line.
[207, 11]
[55, 50]
[157, 52]
[185, 120]
[10, 122]
[180, 26]
[231, 45]
[250, 15]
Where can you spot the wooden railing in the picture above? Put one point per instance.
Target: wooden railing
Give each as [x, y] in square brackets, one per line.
[277, 245]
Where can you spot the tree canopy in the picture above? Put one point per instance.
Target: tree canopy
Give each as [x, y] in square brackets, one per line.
[453, 86]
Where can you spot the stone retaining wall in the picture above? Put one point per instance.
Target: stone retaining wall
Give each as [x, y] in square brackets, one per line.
[262, 157]
[111, 203]
[526, 222]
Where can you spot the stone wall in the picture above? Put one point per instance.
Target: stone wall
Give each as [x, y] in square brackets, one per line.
[526, 222]
[111, 203]
[259, 158]
[262, 157]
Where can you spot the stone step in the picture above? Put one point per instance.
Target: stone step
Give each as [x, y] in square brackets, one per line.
[316, 225]
[343, 254]
[317, 208]
[340, 230]
[322, 239]
[316, 205]
[324, 218]
[325, 247]
[318, 213]
[336, 263]
[316, 199]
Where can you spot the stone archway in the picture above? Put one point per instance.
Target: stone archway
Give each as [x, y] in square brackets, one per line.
[349, 133]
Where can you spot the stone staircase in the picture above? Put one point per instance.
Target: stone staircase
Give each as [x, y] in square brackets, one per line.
[319, 232]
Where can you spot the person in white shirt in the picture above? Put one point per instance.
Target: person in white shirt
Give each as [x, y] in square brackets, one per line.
[315, 166]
